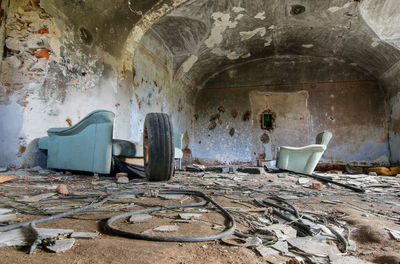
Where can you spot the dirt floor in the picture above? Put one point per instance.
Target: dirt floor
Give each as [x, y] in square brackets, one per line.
[365, 215]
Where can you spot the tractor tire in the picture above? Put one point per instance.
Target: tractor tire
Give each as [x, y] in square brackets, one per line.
[158, 147]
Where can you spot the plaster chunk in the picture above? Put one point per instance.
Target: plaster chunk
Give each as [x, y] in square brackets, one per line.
[238, 17]
[375, 42]
[260, 15]
[245, 35]
[307, 46]
[238, 9]
[14, 44]
[268, 41]
[221, 23]
[233, 55]
[188, 64]
[334, 9]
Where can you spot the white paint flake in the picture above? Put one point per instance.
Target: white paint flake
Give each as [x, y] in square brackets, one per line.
[268, 40]
[272, 27]
[334, 9]
[260, 15]
[245, 35]
[188, 64]
[233, 55]
[221, 23]
[238, 9]
[238, 17]
[375, 42]
[246, 55]
[307, 46]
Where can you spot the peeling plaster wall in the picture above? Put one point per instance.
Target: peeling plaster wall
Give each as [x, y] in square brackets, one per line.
[159, 88]
[391, 81]
[353, 110]
[383, 17]
[48, 77]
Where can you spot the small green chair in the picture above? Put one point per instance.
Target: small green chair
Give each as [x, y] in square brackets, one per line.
[303, 159]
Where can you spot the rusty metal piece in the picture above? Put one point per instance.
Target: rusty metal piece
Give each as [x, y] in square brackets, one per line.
[221, 109]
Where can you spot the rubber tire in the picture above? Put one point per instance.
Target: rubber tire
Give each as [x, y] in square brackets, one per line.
[158, 147]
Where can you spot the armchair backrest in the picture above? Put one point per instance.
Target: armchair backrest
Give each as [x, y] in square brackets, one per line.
[323, 138]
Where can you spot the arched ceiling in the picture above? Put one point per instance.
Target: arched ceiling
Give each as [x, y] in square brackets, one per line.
[207, 36]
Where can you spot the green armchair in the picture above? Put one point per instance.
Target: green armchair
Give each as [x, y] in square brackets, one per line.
[86, 146]
[89, 145]
[303, 159]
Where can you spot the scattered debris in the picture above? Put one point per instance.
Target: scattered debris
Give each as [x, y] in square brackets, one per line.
[7, 217]
[166, 228]
[61, 245]
[6, 178]
[123, 180]
[4, 211]
[84, 235]
[395, 234]
[62, 189]
[137, 218]
[171, 196]
[189, 216]
[303, 181]
[37, 198]
[266, 251]
[312, 247]
[383, 171]
[316, 185]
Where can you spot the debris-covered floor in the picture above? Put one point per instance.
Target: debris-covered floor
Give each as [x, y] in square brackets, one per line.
[328, 217]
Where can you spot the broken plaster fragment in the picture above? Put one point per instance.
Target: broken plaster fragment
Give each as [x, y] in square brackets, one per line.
[188, 64]
[238, 9]
[189, 216]
[84, 235]
[137, 218]
[166, 228]
[221, 23]
[61, 245]
[307, 46]
[260, 15]
[266, 251]
[245, 35]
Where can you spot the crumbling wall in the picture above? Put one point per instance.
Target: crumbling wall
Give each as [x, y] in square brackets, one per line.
[383, 17]
[159, 88]
[353, 110]
[51, 77]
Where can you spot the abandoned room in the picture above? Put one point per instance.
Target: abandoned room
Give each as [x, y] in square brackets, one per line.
[200, 131]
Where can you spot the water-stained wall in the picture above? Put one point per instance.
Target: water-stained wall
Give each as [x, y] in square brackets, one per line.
[352, 109]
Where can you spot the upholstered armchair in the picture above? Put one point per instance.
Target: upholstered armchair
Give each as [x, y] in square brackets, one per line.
[303, 159]
[86, 146]
[89, 145]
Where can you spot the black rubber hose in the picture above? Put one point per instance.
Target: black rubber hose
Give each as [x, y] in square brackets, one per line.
[64, 214]
[127, 234]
